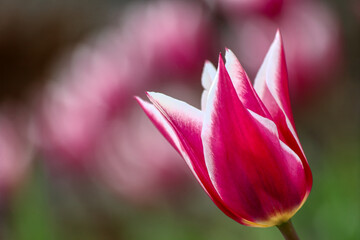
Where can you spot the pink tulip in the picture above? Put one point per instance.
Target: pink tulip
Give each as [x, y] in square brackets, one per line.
[312, 44]
[242, 146]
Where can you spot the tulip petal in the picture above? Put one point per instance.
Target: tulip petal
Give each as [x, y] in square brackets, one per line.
[173, 117]
[243, 86]
[204, 97]
[207, 78]
[161, 124]
[271, 84]
[208, 75]
[179, 123]
[245, 161]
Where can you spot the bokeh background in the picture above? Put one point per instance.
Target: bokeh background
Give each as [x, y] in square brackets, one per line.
[80, 160]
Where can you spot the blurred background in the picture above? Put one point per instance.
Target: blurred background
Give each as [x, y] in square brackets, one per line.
[80, 160]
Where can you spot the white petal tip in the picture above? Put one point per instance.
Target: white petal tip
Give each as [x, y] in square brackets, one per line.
[208, 74]
[229, 57]
[153, 94]
[278, 38]
[140, 101]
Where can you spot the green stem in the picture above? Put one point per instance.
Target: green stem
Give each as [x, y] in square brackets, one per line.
[288, 231]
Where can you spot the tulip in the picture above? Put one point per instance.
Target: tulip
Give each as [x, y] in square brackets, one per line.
[242, 145]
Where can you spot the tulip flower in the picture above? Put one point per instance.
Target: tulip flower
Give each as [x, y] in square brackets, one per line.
[242, 145]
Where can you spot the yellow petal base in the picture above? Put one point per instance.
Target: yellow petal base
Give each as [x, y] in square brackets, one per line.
[276, 219]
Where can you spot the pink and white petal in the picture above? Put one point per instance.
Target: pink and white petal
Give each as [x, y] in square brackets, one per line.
[243, 86]
[273, 77]
[186, 119]
[168, 127]
[271, 84]
[175, 138]
[239, 153]
[161, 124]
[298, 172]
[204, 97]
[289, 162]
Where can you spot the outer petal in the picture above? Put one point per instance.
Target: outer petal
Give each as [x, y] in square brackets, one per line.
[271, 84]
[181, 125]
[246, 163]
[161, 124]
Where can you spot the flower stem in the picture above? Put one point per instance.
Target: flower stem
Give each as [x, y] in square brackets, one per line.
[288, 231]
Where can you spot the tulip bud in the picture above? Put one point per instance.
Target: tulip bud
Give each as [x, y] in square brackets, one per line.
[242, 146]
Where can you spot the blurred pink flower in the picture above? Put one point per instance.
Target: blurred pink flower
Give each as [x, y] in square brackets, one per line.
[169, 37]
[152, 41]
[242, 145]
[15, 151]
[312, 43]
[238, 8]
[78, 105]
[85, 118]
